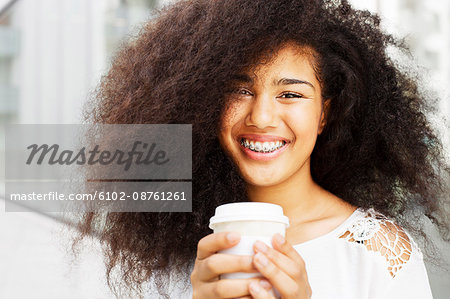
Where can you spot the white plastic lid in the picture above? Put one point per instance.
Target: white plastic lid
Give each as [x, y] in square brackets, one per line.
[244, 211]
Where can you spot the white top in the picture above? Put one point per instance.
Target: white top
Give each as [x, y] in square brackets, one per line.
[366, 257]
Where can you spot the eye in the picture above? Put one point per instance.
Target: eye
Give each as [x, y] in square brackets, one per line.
[242, 91]
[291, 95]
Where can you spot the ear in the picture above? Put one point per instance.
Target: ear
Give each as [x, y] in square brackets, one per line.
[323, 116]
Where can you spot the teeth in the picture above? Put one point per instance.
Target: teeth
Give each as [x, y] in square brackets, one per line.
[262, 146]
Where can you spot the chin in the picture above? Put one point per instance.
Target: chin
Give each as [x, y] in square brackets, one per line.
[262, 182]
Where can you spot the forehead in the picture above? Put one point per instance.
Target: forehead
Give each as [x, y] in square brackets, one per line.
[289, 60]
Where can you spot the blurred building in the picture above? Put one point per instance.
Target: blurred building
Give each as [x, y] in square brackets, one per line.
[54, 51]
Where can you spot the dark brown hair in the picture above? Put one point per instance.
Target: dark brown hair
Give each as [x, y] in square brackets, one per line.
[377, 150]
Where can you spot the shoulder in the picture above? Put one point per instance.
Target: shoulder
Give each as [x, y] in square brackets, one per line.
[376, 233]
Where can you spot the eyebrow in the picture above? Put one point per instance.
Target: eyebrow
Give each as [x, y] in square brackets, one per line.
[283, 81]
[289, 81]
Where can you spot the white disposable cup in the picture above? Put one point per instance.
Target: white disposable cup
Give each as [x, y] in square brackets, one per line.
[254, 221]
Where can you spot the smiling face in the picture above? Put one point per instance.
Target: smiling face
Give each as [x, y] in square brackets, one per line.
[270, 125]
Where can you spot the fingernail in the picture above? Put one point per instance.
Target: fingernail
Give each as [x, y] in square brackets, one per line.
[279, 239]
[255, 287]
[261, 246]
[265, 284]
[233, 237]
[260, 258]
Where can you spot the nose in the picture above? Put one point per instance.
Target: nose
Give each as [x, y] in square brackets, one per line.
[262, 113]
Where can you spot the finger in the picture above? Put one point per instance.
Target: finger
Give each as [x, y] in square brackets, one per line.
[279, 279]
[263, 283]
[282, 261]
[258, 292]
[212, 243]
[230, 288]
[220, 263]
[279, 243]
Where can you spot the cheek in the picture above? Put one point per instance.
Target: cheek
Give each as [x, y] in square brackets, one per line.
[222, 134]
[232, 115]
[228, 123]
[304, 124]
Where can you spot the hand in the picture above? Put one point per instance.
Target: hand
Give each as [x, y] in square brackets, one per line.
[209, 265]
[283, 267]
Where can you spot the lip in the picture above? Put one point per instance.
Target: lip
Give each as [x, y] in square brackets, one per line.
[262, 138]
[263, 156]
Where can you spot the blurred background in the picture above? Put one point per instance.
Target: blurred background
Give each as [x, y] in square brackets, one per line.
[52, 55]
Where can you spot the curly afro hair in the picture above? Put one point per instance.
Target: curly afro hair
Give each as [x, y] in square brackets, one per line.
[378, 150]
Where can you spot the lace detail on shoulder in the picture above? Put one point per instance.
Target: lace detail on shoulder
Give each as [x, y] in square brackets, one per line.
[379, 234]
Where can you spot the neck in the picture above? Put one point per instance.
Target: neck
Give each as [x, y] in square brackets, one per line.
[299, 196]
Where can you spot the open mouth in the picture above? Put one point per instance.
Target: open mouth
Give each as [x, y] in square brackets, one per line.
[262, 147]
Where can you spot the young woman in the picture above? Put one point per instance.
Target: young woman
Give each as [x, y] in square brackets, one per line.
[350, 155]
